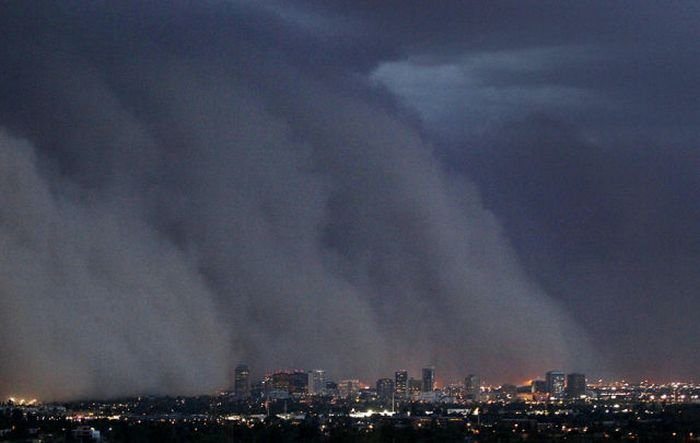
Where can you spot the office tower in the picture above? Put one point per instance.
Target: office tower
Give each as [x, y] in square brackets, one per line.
[555, 383]
[241, 382]
[257, 389]
[428, 379]
[401, 385]
[472, 387]
[385, 390]
[538, 386]
[575, 385]
[332, 389]
[317, 382]
[348, 388]
[293, 382]
[415, 387]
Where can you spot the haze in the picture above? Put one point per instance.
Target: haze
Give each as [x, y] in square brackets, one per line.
[499, 188]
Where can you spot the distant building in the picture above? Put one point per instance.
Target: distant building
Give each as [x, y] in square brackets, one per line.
[472, 388]
[555, 383]
[241, 382]
[385, 390]
[293, 382]
[348, 388]
[428, 379]
[429, 397]
[332, 388]
[415, 388]
[401, 385]
[509, 391]
[575, 385]
[257, 389]
[86, 434]
[539, 390]
[538, 387]
[317, 382]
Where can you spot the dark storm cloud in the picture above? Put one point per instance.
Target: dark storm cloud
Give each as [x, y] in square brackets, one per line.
[580, 127]
[191, 186]
[188, 187]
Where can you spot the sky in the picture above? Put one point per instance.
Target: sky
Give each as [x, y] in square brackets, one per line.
[501, 188]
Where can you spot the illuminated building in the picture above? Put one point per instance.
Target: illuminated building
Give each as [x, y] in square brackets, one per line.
[348, 388]
[332, 389]
[241, 382]
[428, 379]
[317, 382]
[575, 385]
[293, 382]
[415, 387]
[538, 386]
[539, 390]
[385, 390]
[472, 387]
[401, 384]
[555, 383]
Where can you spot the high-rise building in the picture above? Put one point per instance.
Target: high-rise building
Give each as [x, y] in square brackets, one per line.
[472, 387]
[332, 388]
[385, 390]
[241, 382]
[317, 382]
[428, 379]
[538, 386]
[575, 385]
[401, 385]
[555, 383]
[257, 389]
[293, 382]
[348, 388]
[415, 387]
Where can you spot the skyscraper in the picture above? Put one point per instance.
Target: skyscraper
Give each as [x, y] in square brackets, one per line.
[401, 384]
[294, 382]
[317, 382]
[385, 390]
[348, 388]
[428, 379]
[415, 387]
[241, 382]
[555, 383]
[472, 387]
[575, 385]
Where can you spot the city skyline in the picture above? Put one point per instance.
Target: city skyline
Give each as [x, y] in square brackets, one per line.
[563, 383]
[495, 189]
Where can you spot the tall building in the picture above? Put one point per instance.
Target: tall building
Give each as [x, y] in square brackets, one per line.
[293, 382]
[575, 385]
[348, 388]
[385, 390]
[332, 388]
[538, 386]
[317, 382]
[415, 387]
[428, 379]
[555, 383]
[472, 387]
[241, 381]
[401, 385]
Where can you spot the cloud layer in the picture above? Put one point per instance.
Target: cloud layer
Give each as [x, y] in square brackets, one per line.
[183, 190]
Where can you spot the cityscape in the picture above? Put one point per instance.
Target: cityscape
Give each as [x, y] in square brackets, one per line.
[337, 221]
[304, 405]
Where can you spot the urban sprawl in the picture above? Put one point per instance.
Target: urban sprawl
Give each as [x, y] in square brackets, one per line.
[299, 405]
